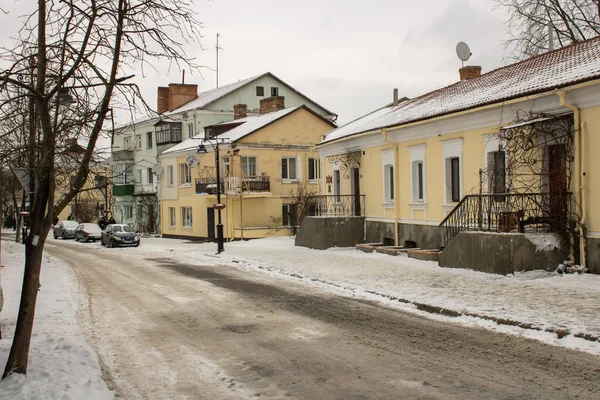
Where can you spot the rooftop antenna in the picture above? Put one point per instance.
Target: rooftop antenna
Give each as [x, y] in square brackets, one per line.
[463, 52]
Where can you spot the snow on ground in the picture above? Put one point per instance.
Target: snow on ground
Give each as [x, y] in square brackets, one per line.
[546, 301]
[61, 363]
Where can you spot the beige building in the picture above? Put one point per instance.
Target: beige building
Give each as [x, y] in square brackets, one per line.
[265, 161]
[510, 151]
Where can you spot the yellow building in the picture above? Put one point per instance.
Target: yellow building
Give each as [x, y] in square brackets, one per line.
[266, 162]
[510, 151]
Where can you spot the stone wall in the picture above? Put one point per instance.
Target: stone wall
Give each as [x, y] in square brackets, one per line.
[325, 232]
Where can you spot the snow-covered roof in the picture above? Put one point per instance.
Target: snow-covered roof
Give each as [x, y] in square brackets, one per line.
[576, 63]
[246, 126]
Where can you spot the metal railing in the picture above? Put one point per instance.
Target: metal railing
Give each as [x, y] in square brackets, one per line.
[234, 184]
[123, 180]
[208, 185]
[519, 212]
[336, 205]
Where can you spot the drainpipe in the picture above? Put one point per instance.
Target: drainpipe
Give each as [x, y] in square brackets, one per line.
[396, 183]
[579, 173]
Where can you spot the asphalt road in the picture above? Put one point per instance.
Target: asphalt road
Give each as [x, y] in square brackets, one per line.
[167, 330]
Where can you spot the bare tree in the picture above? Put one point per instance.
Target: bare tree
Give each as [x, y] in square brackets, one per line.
[82, 52]
[529, 21]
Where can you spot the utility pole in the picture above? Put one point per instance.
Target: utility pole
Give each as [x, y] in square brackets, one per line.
[218, 48]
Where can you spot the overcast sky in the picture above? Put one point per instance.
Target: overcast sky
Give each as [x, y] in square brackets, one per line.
[347, 55]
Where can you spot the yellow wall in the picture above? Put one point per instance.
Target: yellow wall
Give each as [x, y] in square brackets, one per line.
[261, 212]
[591, 166]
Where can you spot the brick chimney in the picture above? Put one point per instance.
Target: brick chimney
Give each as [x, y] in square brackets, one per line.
[469, 72]
[172, 97]
[240, 111]
[271, 104]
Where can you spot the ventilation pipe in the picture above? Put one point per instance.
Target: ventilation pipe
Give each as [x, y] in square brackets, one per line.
[579, 173]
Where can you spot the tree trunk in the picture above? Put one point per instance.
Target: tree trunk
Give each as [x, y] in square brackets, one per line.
[19, 352]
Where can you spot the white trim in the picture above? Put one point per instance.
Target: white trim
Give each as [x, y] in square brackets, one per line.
[380, 219]
[387, 159]
[419, 222]
[417, 154]
[593, 235]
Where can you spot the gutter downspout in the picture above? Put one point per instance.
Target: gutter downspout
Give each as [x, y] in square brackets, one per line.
[396, 183]
[579, 173]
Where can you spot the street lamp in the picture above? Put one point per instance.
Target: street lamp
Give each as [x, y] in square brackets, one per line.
[214, 143]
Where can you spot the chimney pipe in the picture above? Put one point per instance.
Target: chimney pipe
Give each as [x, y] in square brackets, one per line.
[469, 72]
[395, 97]
[240, 111]
[551, 35]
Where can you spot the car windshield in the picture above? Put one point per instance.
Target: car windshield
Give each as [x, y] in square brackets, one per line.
[127, 228]
[116, 228]
[70, 224]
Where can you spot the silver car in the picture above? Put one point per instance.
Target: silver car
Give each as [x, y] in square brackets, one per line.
[88, 231]
[65, 229]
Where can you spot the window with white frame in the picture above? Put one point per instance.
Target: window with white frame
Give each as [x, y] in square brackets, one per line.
[186, 217]
[127, 143]
[172, 217]
[185, 174]
[190, 130]
[417, 173]
[452, 170]
[149, 139]
[249, 165]
[313, 169]
[138, 142]
[127, 211]
[388, 176]
[337, 185]
[170, 180]
[288, 168]
[226, 166]
[139, 176]
[150, 175]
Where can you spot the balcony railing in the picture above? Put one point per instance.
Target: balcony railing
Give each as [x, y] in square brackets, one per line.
[168, 133]
[122, 155]
[123, 180]
[519, 212]
[336, 205]
[234, 185]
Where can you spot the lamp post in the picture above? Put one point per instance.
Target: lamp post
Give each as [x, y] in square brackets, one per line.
[214, 142]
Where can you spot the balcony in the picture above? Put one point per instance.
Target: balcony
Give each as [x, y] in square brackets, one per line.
[168, 133]
[233, 185]
[123, 186]
[122, 155]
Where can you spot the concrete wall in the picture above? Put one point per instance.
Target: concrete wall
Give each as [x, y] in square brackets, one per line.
[425, 236]
[325, 232]
[502, 253]
[593, 255]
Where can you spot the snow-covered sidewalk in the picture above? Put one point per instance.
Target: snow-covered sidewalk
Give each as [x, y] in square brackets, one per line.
[542, 302]
[61, 363]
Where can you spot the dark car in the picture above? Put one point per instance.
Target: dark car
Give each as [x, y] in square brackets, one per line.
[115, 235]
[65, 229]
[88, 231]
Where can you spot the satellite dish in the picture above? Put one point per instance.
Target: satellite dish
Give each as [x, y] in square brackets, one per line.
[462, 51]
[191, 161]
[157, 169]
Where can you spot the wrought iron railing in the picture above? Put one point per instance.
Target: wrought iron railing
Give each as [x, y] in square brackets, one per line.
[519, 212]
[208, 185]
[234, 184]
[336, 205]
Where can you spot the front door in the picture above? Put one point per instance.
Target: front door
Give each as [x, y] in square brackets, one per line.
[557, 184]
[210, 221]
[356, 191]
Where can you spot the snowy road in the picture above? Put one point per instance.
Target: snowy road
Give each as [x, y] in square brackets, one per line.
[169, 330]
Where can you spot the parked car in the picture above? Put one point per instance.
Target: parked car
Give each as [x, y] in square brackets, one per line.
[115, 235]
[88, 231]
[65, 229]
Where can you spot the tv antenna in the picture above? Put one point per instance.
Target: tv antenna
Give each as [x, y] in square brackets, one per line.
[218, 48]
[463, 52]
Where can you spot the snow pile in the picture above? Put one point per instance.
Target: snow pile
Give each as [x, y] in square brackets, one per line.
[569, 267]
[61, 363]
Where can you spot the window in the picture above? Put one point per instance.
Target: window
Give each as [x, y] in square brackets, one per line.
[419, 181]
[149, 140]
[274, 91]
[226, 166]
[455, 178]
[260, 91]
[389, 183]
[249, 166]
[150, 175]
[185, 175]
[388, 176]
[497, 171]
[289, 214]
[100, 182]
[138, 142]
[172, 217]
[337, 186]
[190, 130]
[127, 144]
[313, 169]
[127, 211]
[417, 173]
[170, 175]
[452, 170]
[186, 217]
[288, 168]
[139, 176]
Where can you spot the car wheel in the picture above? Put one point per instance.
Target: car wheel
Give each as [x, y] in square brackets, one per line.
[111, 243]
[64, 236]
[137, 244]
[86, 239]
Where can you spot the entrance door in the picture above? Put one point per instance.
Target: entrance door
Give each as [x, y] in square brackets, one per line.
[210, 221]
[356, 191]
[557, 183]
